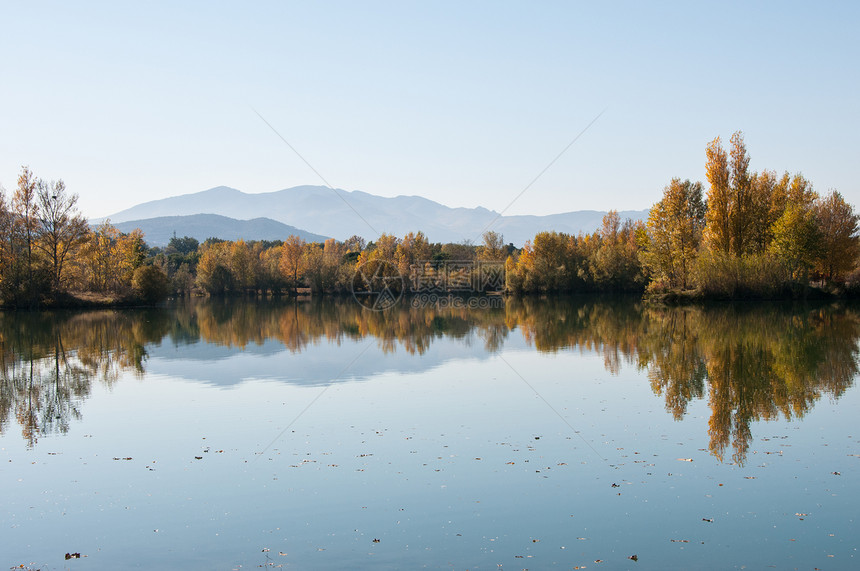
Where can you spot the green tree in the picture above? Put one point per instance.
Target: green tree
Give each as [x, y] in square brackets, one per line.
[182, 281]
[150, 284]
[184, 245]
[795, 240]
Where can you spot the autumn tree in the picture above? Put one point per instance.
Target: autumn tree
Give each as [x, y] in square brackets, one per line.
[62, 227]
[411, 253]
[322, 264]
[493, 249]
[213, 270]
[131, 249]
[270, 276]
[7, 241]
[376, 268]
[107, 258]
[23, 284]
[291, 264]
[719, 200]
[615, 264]
[459, 251]
[355, 243]
[741, 212]
[546, 264]
[243, 266]
[838, 227]
[94, 257]
[674, 233]
[735, 210]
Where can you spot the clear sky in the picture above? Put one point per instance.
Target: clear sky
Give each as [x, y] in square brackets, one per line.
[461, 102]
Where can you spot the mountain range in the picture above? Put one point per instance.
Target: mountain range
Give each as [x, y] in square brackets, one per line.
[336, 213]
[160, 230]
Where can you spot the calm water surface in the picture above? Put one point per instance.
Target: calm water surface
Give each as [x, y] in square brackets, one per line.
[551, 433]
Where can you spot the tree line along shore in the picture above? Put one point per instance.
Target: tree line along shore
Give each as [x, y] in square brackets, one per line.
[757, 235]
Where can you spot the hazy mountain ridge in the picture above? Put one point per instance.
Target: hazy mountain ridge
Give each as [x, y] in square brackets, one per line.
[159, 230]
[342, 213]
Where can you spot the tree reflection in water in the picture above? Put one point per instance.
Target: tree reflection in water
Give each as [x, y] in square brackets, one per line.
[751, 363]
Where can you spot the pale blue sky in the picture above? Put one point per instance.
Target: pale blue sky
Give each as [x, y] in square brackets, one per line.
[461, 102]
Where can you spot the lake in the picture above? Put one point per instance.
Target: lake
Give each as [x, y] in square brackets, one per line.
[540, 433]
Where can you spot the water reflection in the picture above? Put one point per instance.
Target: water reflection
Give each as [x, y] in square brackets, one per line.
[759, 363]
[49, 360]
[750, 363]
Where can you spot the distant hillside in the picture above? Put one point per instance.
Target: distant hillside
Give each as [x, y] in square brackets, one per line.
[341, 213]
[159, 230]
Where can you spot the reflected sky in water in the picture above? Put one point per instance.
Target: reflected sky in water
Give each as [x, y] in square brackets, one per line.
[552, 433]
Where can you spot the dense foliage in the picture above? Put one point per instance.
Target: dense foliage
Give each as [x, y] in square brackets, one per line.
[47, 249]
[754, 234]
[751, 234]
